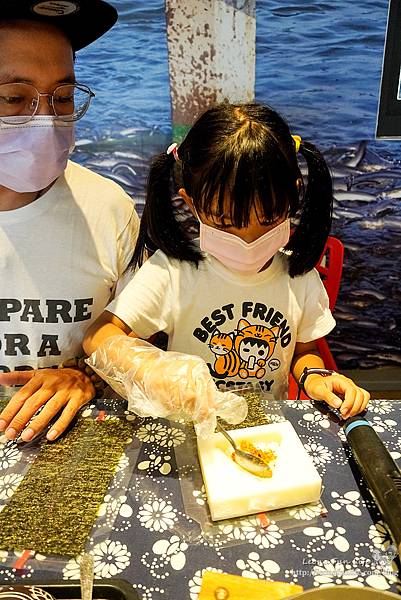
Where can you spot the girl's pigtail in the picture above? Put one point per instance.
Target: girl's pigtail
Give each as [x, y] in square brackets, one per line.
[309, 238]
[159, 228]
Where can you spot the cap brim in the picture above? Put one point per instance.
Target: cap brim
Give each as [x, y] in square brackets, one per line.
[83, 21]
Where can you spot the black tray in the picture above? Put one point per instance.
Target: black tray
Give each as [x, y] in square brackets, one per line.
[103, 589]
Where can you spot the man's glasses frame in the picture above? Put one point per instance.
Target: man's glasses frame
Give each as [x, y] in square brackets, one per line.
[35, 103]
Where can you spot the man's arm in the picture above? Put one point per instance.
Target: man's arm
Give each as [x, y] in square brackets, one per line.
[65, 390]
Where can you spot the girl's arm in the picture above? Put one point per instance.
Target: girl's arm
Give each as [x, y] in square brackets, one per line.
[108, 325]
[337, 390]
[105, 326]
[306, 355]
[155, 382]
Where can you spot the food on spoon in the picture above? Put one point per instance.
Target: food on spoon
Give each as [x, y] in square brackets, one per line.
[267, 456]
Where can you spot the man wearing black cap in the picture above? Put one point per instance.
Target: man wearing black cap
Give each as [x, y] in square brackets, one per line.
[65, 232]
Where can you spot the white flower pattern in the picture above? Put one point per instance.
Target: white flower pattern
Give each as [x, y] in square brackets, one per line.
[8, 485]
[196, 582]
[379, 535]
[380, 407]
[316, 419]
[256, 568]
[151, 432]
[200, 496]
[168, 437]
[307, 512]
[349, 500]
[320, 454]
[381, 425]
[157, 516]
[112, 507]
[156, 462]
[174, 549]
[332, 572]
[263, 537]
[110, 559]
[165, 559]
[321, 536]
[174, 437]
[9, 455]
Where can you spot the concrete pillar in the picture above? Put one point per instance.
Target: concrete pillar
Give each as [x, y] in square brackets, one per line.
[211, 51]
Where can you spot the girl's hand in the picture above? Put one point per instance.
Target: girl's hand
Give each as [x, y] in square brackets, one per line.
[339, 392]
[66, 389]
[171, 385]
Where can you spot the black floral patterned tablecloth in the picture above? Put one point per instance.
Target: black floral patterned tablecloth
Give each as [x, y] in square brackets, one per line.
[157, 535]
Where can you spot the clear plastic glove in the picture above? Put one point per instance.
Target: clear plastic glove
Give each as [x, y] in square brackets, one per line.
[163, 384]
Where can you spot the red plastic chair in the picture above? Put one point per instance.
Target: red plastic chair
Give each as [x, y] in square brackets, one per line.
[330, 267]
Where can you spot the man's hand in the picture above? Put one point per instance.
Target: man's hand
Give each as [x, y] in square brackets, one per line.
[56, 388]
[339, 392]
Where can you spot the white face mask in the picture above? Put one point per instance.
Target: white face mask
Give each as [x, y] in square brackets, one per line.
[240, 256]
[34, 154]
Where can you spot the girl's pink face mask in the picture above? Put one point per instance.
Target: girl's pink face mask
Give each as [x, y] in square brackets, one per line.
[240, 256]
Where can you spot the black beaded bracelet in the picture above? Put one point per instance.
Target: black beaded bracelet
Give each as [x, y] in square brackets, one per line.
[78, 363]
[311, 371]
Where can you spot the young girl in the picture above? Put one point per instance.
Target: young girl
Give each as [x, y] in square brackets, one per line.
[244, 297]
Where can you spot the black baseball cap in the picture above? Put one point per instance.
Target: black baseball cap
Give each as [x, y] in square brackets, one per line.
[83, 21]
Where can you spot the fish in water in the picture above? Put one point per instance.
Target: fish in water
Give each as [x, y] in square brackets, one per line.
[350, 196]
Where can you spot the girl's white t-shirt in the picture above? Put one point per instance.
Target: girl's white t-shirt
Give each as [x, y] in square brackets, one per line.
[245, 327]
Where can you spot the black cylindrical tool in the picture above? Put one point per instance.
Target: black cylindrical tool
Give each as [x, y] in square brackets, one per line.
[379, 471]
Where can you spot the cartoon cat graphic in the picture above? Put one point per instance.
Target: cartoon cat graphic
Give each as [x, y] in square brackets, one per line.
[227, 361]
[254, 344]
[244, 353]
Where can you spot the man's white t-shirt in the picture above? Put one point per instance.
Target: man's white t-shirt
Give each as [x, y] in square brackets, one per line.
[61, 257]
[245, 327]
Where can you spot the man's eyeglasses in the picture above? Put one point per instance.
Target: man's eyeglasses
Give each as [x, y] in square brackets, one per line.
[69, 102]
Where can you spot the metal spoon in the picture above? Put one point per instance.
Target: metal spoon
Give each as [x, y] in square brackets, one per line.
[246, 460]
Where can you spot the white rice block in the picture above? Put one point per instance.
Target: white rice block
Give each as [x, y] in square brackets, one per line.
[234, 492]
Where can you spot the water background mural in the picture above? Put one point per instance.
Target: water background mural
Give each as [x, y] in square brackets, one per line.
[319, 64]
